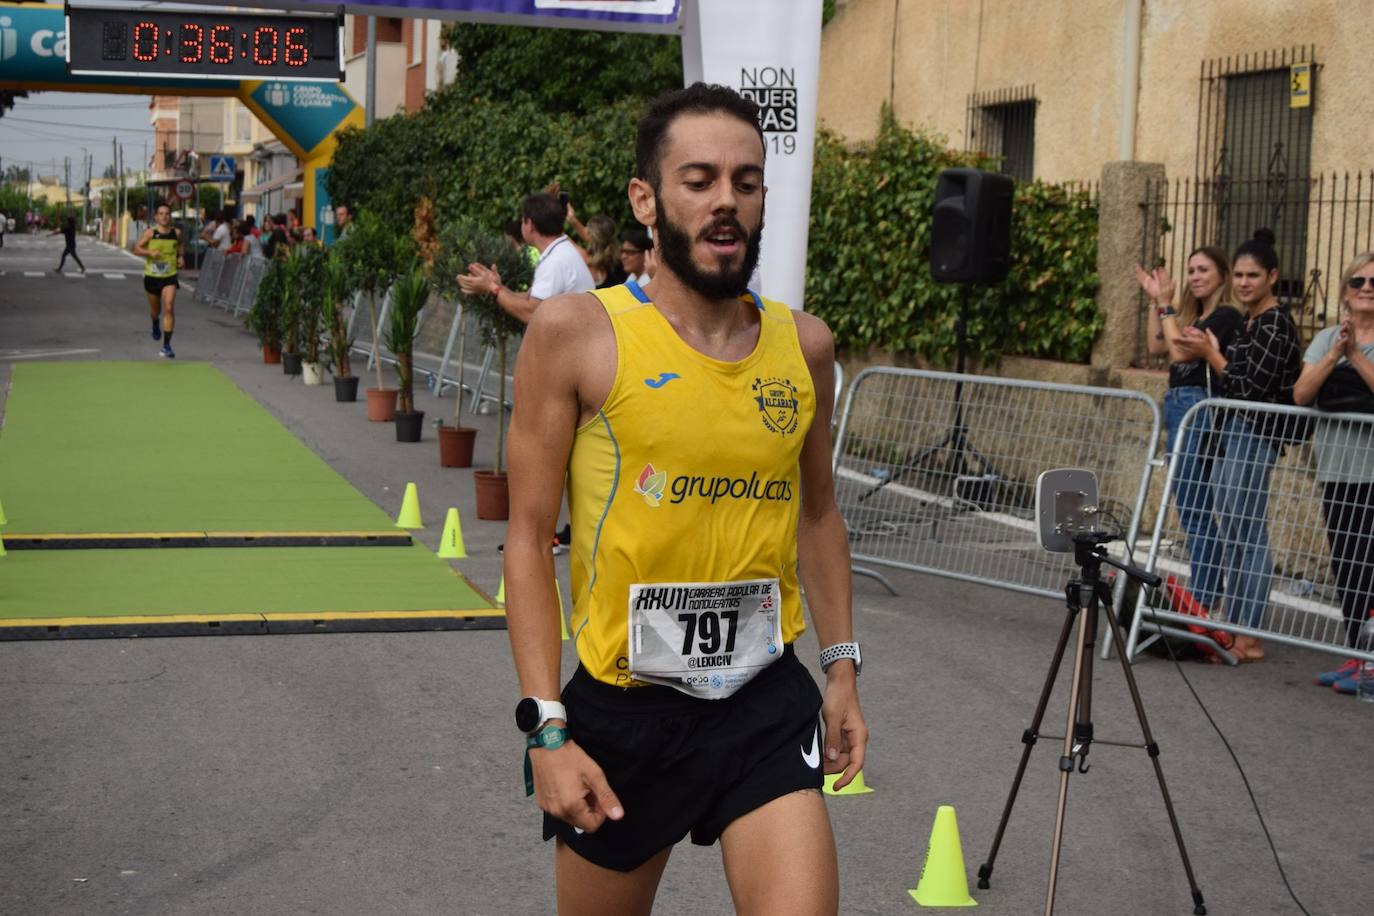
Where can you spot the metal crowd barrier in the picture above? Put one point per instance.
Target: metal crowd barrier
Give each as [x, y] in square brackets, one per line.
[1276, 547]
[210, 268]
[935, 472]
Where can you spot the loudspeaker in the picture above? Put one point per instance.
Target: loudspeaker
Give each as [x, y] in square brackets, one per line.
[970, 238]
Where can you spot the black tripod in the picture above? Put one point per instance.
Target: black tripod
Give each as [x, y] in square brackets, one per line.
[1087, 594]
[956, 437]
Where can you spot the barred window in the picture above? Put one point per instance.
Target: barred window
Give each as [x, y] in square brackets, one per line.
[1001, 124]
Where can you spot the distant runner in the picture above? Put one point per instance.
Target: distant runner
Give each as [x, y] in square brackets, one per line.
[68, 232]
[161, 246]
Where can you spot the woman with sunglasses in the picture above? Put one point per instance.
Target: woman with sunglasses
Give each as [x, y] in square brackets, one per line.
[1338, 373]
[1204, 304]
[1261, 364]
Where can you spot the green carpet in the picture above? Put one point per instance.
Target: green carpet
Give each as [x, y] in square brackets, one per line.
[170, 446]
[127, 592]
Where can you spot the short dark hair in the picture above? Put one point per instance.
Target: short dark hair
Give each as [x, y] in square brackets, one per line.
[1261, 248]
[546, 212]
[513, 230]
[250, 221]
[698, 98]
[638, 238]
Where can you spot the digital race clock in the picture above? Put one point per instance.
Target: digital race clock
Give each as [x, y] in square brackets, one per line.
[176, 43]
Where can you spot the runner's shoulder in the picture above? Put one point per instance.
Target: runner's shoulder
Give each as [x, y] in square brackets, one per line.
[569, 317]
[817, 342]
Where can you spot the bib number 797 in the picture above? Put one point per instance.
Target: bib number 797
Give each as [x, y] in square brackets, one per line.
[708, 625]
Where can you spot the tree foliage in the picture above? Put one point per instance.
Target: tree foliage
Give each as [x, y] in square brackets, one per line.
[563, 71]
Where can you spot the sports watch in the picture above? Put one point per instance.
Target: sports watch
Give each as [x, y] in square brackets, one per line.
[849, 650]
[532, 713]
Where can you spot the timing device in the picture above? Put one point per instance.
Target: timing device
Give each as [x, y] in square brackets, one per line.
[1065, 505]
[216, 44]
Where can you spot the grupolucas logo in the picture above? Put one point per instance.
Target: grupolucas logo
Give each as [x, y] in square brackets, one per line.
[650, 484]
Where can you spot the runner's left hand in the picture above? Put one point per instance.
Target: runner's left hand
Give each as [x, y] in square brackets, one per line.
[846, 733]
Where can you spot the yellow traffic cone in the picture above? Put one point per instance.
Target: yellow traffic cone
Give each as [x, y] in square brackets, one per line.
[451, 545]
[3, 520]
[501, 591]
[855, 787]
[562, 620]
[410, 509]
[2, 547]
[944, 880]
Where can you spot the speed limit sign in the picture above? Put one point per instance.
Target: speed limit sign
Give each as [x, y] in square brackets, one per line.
[185, 190]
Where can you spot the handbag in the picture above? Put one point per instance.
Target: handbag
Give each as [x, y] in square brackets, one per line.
[1345, 391]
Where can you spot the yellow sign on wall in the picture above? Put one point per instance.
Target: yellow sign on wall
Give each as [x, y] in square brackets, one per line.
[1300, 86]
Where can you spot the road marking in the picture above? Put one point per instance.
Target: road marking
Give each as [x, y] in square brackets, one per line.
[74, 275]
[116, 276]
[40, 354]
[35, 273]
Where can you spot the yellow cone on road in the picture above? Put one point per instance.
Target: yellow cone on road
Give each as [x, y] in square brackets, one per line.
[410, 509]
[855, 787]
[944, 880]
[451, 545]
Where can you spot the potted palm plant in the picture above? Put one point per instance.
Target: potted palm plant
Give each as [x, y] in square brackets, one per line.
[310, 263]
[290, 316]
[465, 243]
[334, 310]
[369, 252]
[409, 294]
[264, 318]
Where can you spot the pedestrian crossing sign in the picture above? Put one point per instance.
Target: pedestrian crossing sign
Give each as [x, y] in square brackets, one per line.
[221, 168]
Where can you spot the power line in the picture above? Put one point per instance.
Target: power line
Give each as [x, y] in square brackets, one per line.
[18, 120]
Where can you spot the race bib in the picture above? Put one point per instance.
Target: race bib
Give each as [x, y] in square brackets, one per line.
[161, 267]
[707, 639]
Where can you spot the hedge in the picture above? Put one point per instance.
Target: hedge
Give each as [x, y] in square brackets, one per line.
[867, 268]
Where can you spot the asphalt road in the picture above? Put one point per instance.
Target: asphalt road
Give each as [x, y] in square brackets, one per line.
[380, 773]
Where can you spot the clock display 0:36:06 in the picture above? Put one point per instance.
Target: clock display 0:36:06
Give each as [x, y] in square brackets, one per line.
[264, 45]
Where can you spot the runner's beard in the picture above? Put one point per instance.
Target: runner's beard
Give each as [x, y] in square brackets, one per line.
[675, 248]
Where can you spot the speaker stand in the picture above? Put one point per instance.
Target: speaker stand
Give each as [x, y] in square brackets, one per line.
[956, 437]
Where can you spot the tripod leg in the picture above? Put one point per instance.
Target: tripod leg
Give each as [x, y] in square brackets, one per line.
[1199, 907]
[1066, 758]
[1030, 735]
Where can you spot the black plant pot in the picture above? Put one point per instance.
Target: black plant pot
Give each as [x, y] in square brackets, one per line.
[409, 425]
[291, 363]
[346, 389]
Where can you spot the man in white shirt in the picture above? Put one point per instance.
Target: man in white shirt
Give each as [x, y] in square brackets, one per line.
[217, 233]
[561, 268]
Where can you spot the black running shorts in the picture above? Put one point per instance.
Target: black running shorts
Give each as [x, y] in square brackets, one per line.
[684, 765]
[155, 285]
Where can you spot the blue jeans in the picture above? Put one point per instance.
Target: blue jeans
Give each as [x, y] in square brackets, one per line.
[1240, 486]
[1193, 499]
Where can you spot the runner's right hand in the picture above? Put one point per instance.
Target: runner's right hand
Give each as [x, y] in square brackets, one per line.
[569, 785]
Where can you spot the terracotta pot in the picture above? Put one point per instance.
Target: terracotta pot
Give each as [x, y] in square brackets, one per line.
[409, 425]
[311, 374]
[346, 389]
[493, 495]
[381, 404]
[271, 354]
[455, 446]
[291, 363]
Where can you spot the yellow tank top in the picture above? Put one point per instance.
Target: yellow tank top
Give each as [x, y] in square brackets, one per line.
[163, 263]
[689, 473]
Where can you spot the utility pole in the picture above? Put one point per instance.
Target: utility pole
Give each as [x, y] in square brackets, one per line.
[370, 104]
[67, 179]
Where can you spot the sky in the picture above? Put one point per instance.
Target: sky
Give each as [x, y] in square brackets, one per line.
[49, 126]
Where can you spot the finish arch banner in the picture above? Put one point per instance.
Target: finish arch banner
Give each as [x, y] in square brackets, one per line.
[769, 50]
[604, 15]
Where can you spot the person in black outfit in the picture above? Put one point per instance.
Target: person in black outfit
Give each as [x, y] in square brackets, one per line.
[1262, 364]
[1205, 304]
[68, 231]
[1338, 374]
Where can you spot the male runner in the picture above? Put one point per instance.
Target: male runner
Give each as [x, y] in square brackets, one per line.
[161, 246]
[689, 712]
